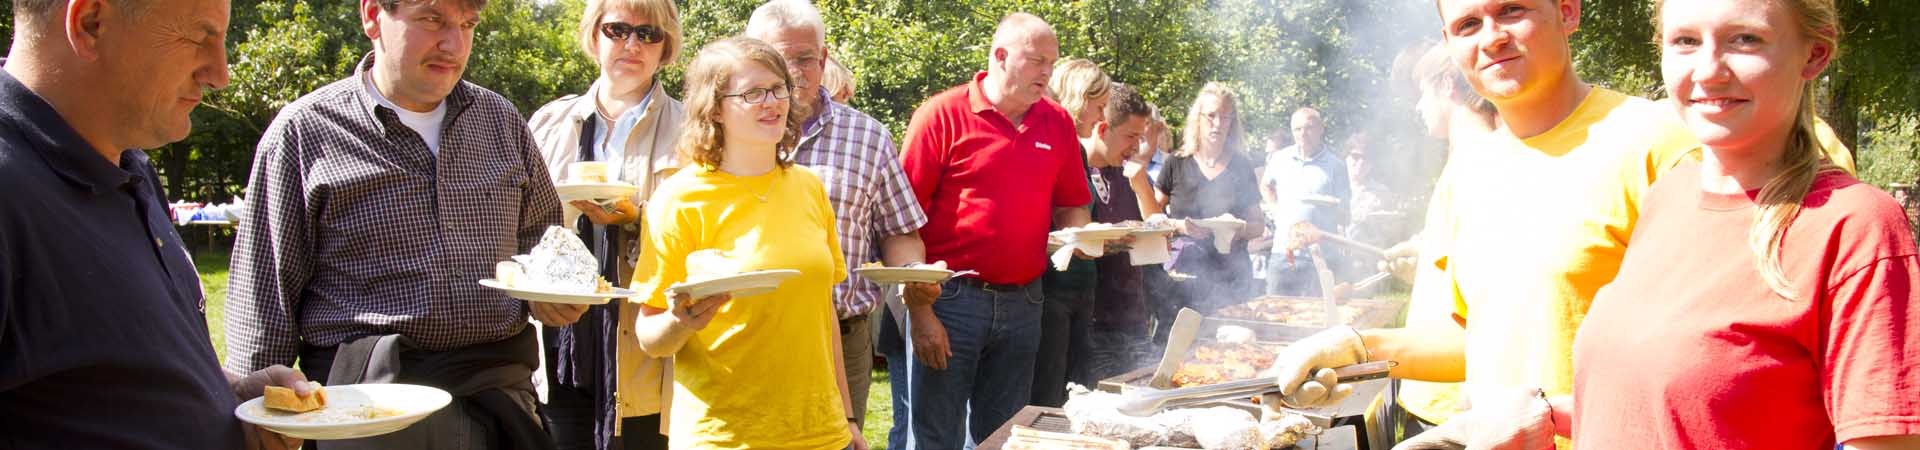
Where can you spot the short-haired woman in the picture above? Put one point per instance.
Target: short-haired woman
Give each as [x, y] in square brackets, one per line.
[602, 392]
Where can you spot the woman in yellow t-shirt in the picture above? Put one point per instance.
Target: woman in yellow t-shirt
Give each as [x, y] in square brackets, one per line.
[759, 370]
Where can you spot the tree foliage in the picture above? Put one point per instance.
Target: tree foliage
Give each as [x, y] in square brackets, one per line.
[1339, 56]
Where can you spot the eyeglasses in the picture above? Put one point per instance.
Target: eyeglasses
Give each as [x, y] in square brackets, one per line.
[618, 31]
[757, 96]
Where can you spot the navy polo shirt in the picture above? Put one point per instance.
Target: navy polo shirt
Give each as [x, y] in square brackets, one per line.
[103, 335]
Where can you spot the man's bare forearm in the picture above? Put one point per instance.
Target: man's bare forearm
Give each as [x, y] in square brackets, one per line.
[1072, 216]
[902, 249]
[1433, 352]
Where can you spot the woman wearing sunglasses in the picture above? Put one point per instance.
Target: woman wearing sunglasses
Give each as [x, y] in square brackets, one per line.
[603, 392]
[1767, 301]
[762, 370]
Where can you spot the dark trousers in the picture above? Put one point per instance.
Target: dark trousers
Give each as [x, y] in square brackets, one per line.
[1162, 304]
[1113, 353]
[570, 415]
[1064, 345]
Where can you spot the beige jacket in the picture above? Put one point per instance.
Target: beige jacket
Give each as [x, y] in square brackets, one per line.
[651, 156]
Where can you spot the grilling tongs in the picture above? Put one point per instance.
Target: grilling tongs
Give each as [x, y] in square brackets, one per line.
[1147, 401]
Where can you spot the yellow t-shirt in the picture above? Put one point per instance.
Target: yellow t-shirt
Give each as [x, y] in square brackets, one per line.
[1539, 225]
[1431, 302]
[762, 373]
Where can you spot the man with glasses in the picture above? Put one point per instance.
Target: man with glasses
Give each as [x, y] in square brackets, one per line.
[993, 163]
[872, 202]
[379, 202]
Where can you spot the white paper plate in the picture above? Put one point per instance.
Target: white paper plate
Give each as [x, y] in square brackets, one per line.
[1220, 222]
[1152, 231]
[1092, 235]
[742, 285]
[1321, 199]
[559, 297]
[348, 407]
[896, 275]
[595, 191]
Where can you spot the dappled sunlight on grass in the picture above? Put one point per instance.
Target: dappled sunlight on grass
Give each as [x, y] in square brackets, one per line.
[213, 281]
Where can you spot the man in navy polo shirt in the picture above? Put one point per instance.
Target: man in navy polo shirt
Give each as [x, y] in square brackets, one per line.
[103, 333]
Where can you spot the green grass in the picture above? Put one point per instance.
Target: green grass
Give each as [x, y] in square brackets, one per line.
[213, 266]
[213, 280]
[879, 410]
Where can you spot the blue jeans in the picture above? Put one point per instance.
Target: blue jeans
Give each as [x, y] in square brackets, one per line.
[993, 336]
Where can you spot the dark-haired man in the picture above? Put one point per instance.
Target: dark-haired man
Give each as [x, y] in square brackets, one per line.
[379, 202]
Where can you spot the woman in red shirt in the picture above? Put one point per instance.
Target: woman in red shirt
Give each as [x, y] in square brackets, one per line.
[1767, 298]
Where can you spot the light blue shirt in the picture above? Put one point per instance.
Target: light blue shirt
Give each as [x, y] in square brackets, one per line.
[613, 148]
[1293, 180]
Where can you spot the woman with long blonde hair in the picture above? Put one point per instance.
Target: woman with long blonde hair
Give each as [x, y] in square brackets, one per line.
[1209, 177]
[1767, 301]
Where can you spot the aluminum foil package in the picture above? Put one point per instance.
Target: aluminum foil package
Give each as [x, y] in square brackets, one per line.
[560, 263]
[1098, 414]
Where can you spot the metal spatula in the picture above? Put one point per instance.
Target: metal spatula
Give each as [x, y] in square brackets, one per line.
[1179, 339]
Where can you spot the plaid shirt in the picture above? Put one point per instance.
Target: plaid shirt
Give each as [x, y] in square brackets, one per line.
[854, 155]
[355, 229]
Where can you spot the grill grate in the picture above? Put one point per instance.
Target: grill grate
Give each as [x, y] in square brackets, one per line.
[1053, 422]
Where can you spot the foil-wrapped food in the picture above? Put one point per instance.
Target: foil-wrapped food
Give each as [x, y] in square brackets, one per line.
[559, 263]
[1217, 428]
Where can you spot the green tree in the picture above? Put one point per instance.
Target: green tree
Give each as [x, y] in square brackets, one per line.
[524, 49]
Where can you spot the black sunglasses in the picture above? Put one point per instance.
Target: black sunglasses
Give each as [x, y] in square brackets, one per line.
[618, 31]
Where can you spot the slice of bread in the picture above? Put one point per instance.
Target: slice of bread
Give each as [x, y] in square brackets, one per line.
[285, 399]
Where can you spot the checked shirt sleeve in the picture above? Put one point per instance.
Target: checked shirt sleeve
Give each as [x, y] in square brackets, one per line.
[271, 256]
[897, 209]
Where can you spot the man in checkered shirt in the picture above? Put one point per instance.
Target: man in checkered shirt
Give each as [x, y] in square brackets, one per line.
[853, 154]
[377, 204]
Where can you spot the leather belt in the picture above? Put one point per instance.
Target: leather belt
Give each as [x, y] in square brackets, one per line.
[977, 283]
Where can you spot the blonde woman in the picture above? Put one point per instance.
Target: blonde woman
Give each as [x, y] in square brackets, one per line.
[627, 121]
[1080, 87]
[1209, 177]
[761, 370]
[1767, 300]
[839, 82]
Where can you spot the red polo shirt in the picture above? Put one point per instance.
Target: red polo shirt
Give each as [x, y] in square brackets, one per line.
[988, 186]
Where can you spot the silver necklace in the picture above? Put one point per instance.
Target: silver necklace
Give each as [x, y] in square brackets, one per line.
[770, 185]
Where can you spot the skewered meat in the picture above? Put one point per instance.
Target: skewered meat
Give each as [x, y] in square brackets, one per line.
[1031, 439]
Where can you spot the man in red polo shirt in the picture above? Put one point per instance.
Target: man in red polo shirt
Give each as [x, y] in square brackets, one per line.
[993, 164]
